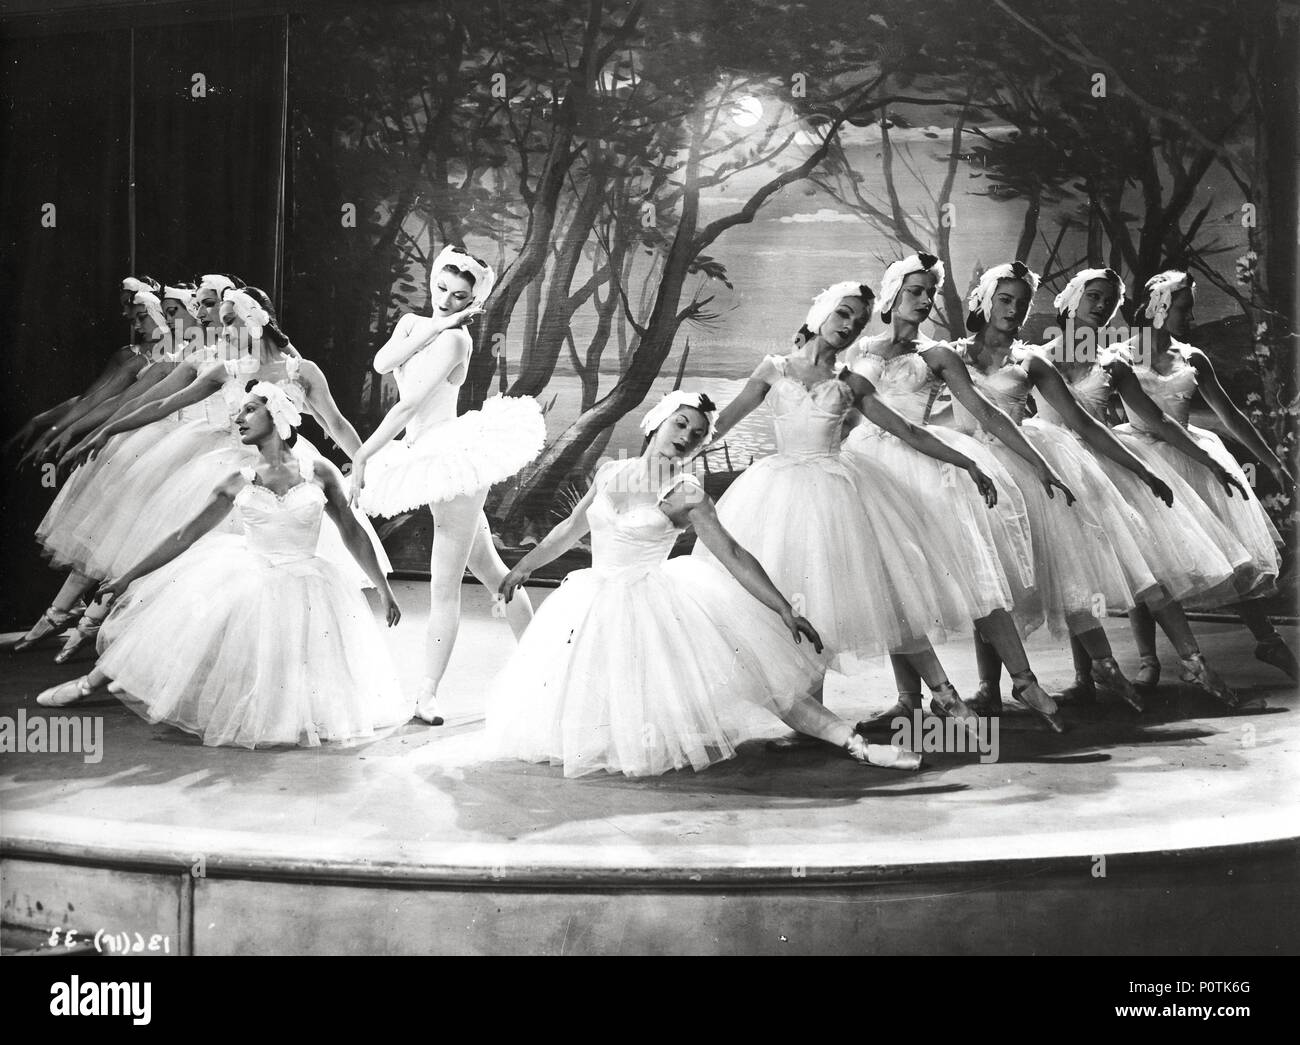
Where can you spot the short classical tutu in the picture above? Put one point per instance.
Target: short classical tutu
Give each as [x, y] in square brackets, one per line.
[260, 650]
[640, 665]
[458, 457]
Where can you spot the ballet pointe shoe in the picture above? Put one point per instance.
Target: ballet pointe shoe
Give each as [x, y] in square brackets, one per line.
[1148, 675]
[1106, 673]
[884, 721]
[1198, 673]
[426, 704]
[886, 756]
[987, 702]
[1276, 653]
[945, 703]
[1025, 688]
[52, 621]
[1081, 691]
[65, 694]
[87, 630]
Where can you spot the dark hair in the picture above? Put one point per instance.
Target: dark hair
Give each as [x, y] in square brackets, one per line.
[1107, 274]
[272, 328]
[462, 273]
[179, 286]
[705, 406]
[975, 320]
[293, 432]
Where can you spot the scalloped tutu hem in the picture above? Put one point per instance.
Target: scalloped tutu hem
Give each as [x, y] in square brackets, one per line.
[469, 453]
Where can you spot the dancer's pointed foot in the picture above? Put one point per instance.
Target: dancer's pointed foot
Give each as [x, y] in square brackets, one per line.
[1107, 674]
[1148, 675]
[1081, 691]
[52, 621]
[87, 630]
[426, 704]
[1025, 688]
[884, 722]
[945, 703]
[987, 702]
[1196, 671]
[1277, 654]
[65, 694]
[887, 756]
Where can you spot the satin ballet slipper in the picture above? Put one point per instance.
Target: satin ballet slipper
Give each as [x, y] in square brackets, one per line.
[426, 704]
[1107, 674]
[886, 756]
[987, 702]
[87, 630]
[945, 703]
[884, 721]
[1025, 688]
[52, 621]
[1277, 654]
[1148, 675]
[1198, 673]
[65, 694]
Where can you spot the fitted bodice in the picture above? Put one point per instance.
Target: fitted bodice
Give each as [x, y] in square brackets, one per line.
[807, 420]
[1091, 389]
[1172, 392]
[220, 408]
[439, 406]
[635, 536]
[284, 528]
[904, 382]
[1006, 388]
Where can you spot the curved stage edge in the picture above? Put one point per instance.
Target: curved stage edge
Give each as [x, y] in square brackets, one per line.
[1173, 834]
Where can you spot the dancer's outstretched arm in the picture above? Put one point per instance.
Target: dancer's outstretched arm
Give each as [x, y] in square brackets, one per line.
[413, 333]
[322, 404]
[1048, 382]
[952, 369]
[870, 406]
[747, 401]
[355, 538]
[217, 508]
[116, 382]
[181, 388]
[1237, 423]
[687, 503]
[551, 547]
[119, 405]
[1143, 407]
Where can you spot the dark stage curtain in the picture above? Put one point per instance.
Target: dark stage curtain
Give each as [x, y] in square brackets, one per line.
[207, 198]
[64, 133]
[208, 168]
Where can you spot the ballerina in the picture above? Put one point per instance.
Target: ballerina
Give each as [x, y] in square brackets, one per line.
[140, 508]
[906, 371]
[643, 664]
[82, 492]
[1176, 371]
[1163, 552]
[841, 538]
[445, 461]
[267, 643]
[44, 428]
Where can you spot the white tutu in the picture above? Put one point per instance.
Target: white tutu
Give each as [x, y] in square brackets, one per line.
[1085, 558]
[1246, 523]
[67, 531]
[457, 457]
[640, 665]
[258, 650]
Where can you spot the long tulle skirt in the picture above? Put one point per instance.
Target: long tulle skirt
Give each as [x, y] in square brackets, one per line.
[236, 649]
[645, 669]
[1244, 518]
[848, 551]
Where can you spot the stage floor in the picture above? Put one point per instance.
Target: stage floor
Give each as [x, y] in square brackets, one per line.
[422, 805]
